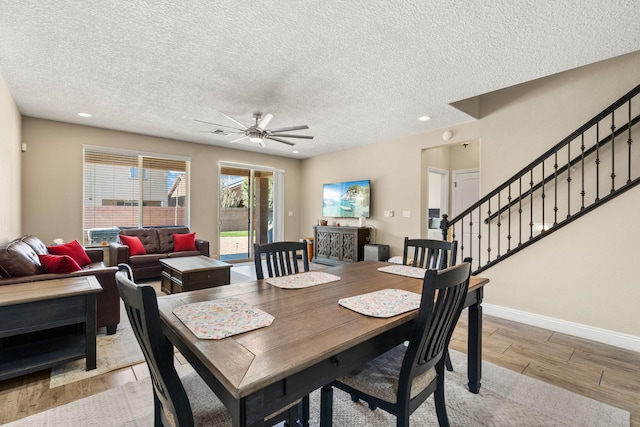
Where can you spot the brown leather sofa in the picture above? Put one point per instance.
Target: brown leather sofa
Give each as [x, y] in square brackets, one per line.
[19, 263]
[158, 243]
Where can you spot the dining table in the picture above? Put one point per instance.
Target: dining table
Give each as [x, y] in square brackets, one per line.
[308, 339]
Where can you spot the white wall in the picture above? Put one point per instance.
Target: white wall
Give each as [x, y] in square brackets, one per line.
[567, 275]
[10, 165]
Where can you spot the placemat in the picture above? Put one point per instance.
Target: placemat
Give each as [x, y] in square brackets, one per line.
[404, 270]
[221, 318]
[384, 303]
[302, 280]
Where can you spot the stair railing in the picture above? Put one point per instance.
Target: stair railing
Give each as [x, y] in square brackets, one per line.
[566, 182]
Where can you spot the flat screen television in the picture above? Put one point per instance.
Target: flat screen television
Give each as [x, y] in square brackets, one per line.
[349, 199]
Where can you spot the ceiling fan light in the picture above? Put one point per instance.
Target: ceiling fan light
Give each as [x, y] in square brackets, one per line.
[255, 137]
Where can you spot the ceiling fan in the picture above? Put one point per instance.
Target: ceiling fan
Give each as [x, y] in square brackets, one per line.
[258, 132]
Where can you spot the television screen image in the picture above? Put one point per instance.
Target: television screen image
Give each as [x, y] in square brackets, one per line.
[346, 199]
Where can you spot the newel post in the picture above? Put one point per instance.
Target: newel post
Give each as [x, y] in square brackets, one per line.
[444, 226]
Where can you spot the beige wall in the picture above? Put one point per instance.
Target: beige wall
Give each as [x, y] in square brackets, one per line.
[566, 275]
[10, 165]
[52, 178]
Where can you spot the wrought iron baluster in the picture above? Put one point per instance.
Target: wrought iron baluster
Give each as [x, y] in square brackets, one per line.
[613, 153]
[488, 230]
[582, 192]
[520, 213]
[509, 221]
[555, 189]
[629, 142]
[499, 225]
[597, 161]
[543, 196]
[479, 235]
[568, 181]
[531, 205]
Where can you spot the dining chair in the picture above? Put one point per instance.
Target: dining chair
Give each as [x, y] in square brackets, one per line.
[434, 254]
[186, 401]
[281, 258]
[427, 253]
[400, 380]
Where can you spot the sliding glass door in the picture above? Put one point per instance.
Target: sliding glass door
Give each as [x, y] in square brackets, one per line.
[249, 210]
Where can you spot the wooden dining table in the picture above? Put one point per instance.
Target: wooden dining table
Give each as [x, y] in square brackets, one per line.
[311, 341]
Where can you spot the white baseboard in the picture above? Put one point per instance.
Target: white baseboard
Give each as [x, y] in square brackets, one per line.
[626, 341]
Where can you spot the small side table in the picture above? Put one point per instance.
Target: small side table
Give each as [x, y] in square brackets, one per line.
[184, 274]
[41, 306]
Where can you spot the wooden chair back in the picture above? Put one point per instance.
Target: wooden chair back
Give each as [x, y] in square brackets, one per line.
[281, 258]
[430, 254]
[171, 403]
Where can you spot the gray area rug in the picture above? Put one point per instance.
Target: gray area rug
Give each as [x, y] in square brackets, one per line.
[506, 399]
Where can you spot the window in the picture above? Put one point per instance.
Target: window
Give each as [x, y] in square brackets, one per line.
[116, 195]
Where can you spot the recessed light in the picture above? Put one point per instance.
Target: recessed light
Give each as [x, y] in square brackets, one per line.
[295, 151]
[84, 114]
[424, 118]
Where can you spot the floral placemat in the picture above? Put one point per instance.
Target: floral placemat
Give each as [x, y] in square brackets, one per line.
[384, 303]
[404, 270]
[221, 318]
[302, 280]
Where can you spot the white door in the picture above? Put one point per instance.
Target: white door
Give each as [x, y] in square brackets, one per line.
[465, 192]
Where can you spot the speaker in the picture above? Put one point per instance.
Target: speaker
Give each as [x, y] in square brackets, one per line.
[376, 252]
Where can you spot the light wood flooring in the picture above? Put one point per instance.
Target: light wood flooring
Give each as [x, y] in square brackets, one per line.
[601, 372]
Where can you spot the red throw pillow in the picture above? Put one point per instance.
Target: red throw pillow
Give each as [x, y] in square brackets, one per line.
[58, 264]
[135, 245]
[184, 242]
[73, 249]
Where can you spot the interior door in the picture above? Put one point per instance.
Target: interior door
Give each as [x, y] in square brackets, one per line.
[465, 192]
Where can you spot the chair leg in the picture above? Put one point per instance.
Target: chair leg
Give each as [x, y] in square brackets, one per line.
[326, 406]
[303, 411]
[447, 363]
[441, 407]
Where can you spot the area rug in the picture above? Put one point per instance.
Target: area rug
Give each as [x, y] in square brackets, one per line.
[112, 352]
[506, 399]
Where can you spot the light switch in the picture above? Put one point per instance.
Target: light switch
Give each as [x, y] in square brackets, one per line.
[290, 213]
[406, 214]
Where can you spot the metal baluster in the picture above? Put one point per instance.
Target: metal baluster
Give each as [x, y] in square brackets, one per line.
[555, 190]
[479, 235]
[629, 142]
[471, 236]
[582, 192]
[531, 205]
[597, 161]
[520, 213]
[613, 151]
[543, 196]
[509, 221]
[568, 180]
[489, 231]
[499, 224]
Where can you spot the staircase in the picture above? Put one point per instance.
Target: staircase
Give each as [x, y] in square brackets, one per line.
[589, 167]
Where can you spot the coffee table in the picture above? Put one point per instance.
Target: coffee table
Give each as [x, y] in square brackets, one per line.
[194, 272]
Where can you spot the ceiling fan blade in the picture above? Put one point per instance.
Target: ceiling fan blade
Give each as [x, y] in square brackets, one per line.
[264, 122]
[289, 135]
[279, 140]
[239, 139]
[235, 121]
[289, 128]
[215, 124]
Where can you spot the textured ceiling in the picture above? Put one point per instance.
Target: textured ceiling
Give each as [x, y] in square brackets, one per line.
[356, 72]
